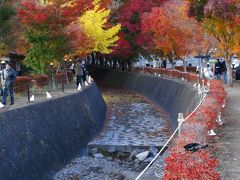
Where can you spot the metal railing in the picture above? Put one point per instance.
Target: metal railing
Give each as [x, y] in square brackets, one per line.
[31, 92]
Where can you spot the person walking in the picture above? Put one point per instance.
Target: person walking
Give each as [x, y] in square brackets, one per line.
[164, 63]
[72, 68]
[9, 76]
[84, 69]
[79, 72]
[207, 72]
[218, 69]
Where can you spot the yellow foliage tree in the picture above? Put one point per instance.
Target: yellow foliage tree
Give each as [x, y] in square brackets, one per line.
[94, 24]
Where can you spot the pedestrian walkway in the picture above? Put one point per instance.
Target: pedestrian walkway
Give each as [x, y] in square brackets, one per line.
[21, 100]
[228, 144]
[225, 146]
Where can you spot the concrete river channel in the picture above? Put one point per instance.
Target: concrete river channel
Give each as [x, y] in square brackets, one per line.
[134, 131]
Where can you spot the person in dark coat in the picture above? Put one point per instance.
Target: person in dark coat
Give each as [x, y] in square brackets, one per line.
[9, 76]
[164, 64]
[84, 69]
[79, 72]
[218, 69]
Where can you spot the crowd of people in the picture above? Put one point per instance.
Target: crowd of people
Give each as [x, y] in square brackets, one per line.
[218, 69]
[79, 68]
[8, 76]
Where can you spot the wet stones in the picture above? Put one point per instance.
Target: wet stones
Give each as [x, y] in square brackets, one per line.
[109, 164]
[153, 150]
[148, 160]
[111, 149]
[142, 156]
[86, 168]
[98, 156]
[94, 150]
[114, 118]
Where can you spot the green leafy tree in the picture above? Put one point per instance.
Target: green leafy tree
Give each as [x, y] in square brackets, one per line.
[44, 24]
[7, 13]
[45, 48]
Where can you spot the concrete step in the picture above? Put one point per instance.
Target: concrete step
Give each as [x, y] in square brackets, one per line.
[120, 147]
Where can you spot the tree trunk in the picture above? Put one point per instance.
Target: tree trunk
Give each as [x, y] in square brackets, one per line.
[130, 65]
[184, 65]
[173, 65]
[98, 57]
[114, 63]
[229, 69]
[93, 58]
[110, 62]
[123, 68]
[229, 74]
[101, 60]
[88, 59]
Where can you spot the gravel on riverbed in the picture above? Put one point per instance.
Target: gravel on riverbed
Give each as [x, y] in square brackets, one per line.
[86, 168]
[132, 120]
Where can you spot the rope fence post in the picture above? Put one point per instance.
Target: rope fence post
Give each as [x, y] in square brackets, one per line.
[203, 87]
[209, 86]
[199, 91]
[170, 138]
[63, 84]
[180, 120]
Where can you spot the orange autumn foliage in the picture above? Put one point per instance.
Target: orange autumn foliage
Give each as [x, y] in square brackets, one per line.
[174, 33]
[166, 35]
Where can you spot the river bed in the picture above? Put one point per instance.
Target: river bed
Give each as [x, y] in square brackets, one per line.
[133, 125]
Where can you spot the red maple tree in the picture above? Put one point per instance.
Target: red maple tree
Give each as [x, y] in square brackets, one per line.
[167, 36]
[123, 48]
[54, 13]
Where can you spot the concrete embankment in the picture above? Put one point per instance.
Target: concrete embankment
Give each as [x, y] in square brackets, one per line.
[44, 136]
[173, 96]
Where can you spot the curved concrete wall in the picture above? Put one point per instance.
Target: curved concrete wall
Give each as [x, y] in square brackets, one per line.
[40, 137]
[171, 95]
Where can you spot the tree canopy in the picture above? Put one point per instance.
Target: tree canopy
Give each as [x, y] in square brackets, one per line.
[53, 28]
[47, 30]
[94, 24]
[220, 18]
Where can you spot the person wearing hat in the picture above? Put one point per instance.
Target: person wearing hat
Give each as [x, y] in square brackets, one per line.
[9, 76]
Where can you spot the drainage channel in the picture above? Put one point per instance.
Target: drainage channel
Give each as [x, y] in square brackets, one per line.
[133, 133]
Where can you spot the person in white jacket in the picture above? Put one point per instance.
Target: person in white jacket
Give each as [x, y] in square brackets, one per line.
[207, 72]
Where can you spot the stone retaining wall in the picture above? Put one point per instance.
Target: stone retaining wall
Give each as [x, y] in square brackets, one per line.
[173, 96]
[41, 137]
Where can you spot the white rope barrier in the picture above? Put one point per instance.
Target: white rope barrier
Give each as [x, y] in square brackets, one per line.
[171, 137]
